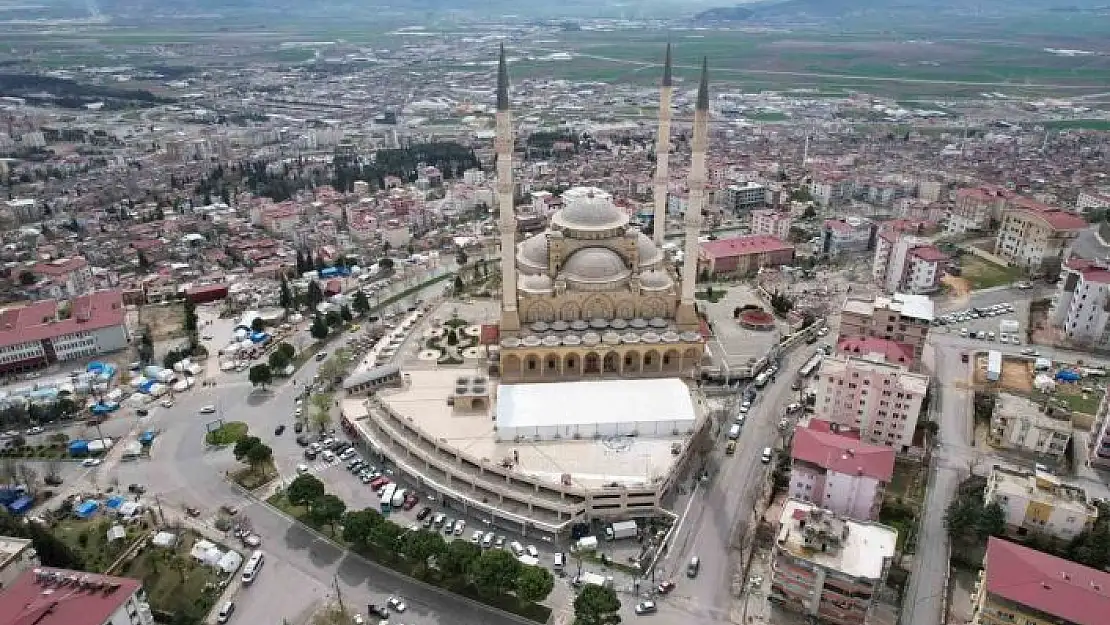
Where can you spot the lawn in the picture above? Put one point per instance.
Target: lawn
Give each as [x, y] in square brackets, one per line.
[227, 434]
[173, 580]
[89, 539]
[1077, 400]
[982, 274]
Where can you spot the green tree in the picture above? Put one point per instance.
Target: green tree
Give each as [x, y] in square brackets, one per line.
[304, 489]
[327, 509]
[144, 263]
[495, 572]
[461, 258]
[278, 361]
[810, 212]
[244, 445]
[457, 559]
[359, 525]
[361, 303]
[321, 410]
[257, 325]
[286, 349]
[260, 375]
[534, 583]
[458, 284]
[596, 605]
[386, 264]
[345, 314]
[962, 517]
[452, 337]
[423, 544]
[315, 293]
[146, 345]
[259, 456]
[319, 329]
[285, 298]
[992, 520]
[27, 278]
[333, 319]
[191, 321]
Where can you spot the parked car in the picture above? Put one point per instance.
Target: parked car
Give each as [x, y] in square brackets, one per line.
[410, 501]
[298, 427]
[225, 612]
[208, 409]
[646, 607]
[136, 489]
[279, 430]
[193, 512]
[665, 587]
[424, 513]
[90, 462]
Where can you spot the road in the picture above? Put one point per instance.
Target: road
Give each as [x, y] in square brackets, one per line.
[718, 510]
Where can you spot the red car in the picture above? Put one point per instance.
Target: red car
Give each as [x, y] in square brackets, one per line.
[379, 482]
[665, 587]
[410, 501]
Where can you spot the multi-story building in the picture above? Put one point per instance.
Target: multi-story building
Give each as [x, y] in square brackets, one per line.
[1019, 424]
[745, 196]
[1022, 586]
[23, 209]
[1081, 306]
[829, 567]
[36, 335]
[1039, 503]
[47, 596]
[1098, 445]
[880, 399]
[772, 223]
[744, 255]
[902, 318]
[839, 473]
[1032, 234]
[851, 234]
[1092, 200]
[907, 263]
[877, 349]
[976, 208]
[65, 278]
[831, 188]
[16, 556]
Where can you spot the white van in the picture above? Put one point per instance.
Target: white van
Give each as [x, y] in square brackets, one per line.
[516, 548]
[765, 458]
[734, 432]
[253, 566]
[560, 561]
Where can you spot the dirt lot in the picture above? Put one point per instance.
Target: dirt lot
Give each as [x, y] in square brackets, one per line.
[165, 321]
[1017, 375]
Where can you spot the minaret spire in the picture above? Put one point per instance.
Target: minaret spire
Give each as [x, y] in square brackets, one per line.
[503, 145]
[662, 153]
[687, 317]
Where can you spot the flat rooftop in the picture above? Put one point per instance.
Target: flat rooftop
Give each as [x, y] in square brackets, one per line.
[626, 460]
[915, 306]
[863, 546]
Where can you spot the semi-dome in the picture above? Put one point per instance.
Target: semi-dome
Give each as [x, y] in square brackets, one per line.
[646, 250]
[532, 253]
[535, 284]
[655, 280]
[588, 209]
[595, 265]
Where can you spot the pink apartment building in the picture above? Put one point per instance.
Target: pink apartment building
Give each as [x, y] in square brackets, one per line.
[881, 399]
[839, 472]
[772, 223]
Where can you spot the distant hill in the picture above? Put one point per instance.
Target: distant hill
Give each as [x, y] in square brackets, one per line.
[839, 8]
[724, 14]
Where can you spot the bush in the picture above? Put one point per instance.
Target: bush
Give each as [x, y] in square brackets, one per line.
[227, 434]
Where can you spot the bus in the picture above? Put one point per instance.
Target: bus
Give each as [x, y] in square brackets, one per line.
[253, 566]
[762, 379]
[387, 497]
[812, 364]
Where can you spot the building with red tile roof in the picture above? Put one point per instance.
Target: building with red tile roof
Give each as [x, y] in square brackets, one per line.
[67, 277]
[839, 472]
[47, 596]
[744, 255]
[907, 263]
[46, 332]
[1023, 585]
[872, 346]
[1032, 234]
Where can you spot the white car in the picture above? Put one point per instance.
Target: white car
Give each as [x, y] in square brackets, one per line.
[166, 403]
[208, 409]
[302, 468]
[38, 429]
[476, 537]
[90, 462]
[252, 540]
[328, 456]
[532, 551]
[397, 604]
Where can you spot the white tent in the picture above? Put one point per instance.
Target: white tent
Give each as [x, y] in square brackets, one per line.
[116, 532]
[163, 539]
[230, 562]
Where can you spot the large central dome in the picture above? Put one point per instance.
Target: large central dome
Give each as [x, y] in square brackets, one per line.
[595, 265]
[588, 209]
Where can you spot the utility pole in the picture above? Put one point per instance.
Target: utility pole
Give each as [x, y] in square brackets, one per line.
[339, 595]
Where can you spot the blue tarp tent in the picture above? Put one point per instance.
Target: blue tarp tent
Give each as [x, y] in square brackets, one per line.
[86, 509]
[329, 272]
[1067, 375]
[95, 367]
[78, 448]
[114, 502]
[104, 408]
[147, 437]
[21, 505]
[259, 337]
[107, 372]
[146, 386]
[9, 494]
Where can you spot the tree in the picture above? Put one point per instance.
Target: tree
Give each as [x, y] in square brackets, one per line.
[361, 303]
[278, 361]
[315, 294]
[259, 456]
[457, 559]
[423, 544]
[596, 605]
[285, 297]
[810, 212]
[386, 264]
[534, 583]
[146, 345]
[191, 321]
[992, 520]
[27, 278]
[260, 375]
[144, 263]
[495, 572]
[286, 350]
[452, 337]
[321, 410]
[243, 447]
[962, 517]
[304, 489]
[458, 284]
[319, 329]
[257, 325]
[333, 319]
[345, 314]
[327, 509]
[461, 258]
[359, 525]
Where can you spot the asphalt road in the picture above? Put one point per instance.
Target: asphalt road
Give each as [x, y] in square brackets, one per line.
[718, 510]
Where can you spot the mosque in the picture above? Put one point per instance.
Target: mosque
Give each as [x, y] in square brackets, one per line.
[592, 297]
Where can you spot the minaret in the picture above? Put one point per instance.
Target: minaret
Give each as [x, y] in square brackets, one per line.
[663, 152]
[686, 316]
[503, 144]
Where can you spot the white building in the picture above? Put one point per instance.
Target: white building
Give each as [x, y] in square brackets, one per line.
[24, 210]
[16, 556]
[1080, 305]
[907, 264]
[1092, 200]
[772, 223]
[881, 400]
[1039, 503]
[36, 335]
[1019, 424]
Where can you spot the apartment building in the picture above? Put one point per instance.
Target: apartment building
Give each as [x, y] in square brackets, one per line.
[48, 596]
[65, 277]
[828, 567]
[1037, 502]
[1022, 586]
[772, 223]
[1020, 424]
[17, 555]
[744, 255]
[1032, 234]
[1098, 445]
[901, 317]
[839, 472]
[880, 399]
[850, 234]
[23, 209]
[1092, 200]
[976, 208]
[1081, 305]
[907, 264]
[831, 188]
[745, 196]
[877, 349]
[37, 335]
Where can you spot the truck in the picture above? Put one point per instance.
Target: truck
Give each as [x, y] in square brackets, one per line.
[387, 497]
[398, 498]
[622, 529]
[586, 577]
[994, 365]
[586, 543]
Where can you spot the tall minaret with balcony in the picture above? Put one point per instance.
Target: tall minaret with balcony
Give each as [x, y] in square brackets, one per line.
[503, 145]
[663, 152]
[687, 316]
